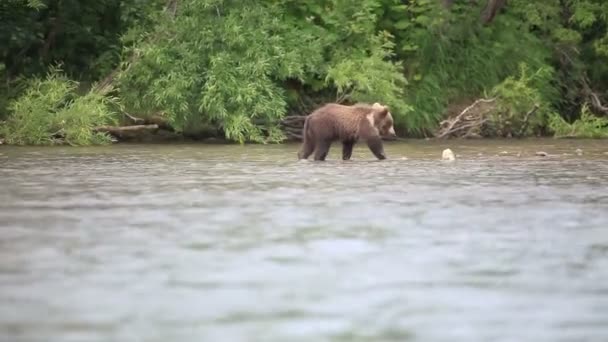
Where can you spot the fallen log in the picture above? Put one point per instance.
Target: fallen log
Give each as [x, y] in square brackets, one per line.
[126, 131]
[293, 136]
[293, 129]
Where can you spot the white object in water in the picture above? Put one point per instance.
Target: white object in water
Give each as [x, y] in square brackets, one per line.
[448, 155]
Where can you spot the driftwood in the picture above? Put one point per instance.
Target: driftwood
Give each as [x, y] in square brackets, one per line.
[472, 121]
[152, 120]
[467, 122]
[292, 126]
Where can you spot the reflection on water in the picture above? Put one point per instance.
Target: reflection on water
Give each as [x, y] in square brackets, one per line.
[243, 243]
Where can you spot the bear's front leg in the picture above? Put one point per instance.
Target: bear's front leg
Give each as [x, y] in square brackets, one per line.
[375, 145]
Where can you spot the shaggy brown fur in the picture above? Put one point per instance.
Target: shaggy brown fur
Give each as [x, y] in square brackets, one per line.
[334, 122]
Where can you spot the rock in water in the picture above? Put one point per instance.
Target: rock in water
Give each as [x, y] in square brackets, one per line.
[579, 152]
[542, 154]
[448, 155]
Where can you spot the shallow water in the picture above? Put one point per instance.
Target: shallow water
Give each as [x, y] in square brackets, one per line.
[243, 243]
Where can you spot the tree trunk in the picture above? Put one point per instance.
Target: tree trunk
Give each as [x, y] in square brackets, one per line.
[105, 85]
[491, 10]
[488, 14]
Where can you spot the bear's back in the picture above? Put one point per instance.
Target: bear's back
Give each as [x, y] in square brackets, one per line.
[343, 121]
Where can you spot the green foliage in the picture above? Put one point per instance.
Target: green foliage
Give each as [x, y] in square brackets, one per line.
[240, 66]
[51, 112]
[225, 62]
[381, 81]
[33, 4]
[587, 126]
[574, 30]
[37, 33]
[521, 107]
[451, 56]
[85, 37]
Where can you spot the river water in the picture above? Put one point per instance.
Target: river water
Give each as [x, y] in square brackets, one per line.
[242, 243]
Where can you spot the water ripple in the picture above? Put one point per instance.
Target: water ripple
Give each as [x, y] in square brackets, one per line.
[234, 243]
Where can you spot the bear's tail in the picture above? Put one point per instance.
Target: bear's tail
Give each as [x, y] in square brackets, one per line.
[305, 130]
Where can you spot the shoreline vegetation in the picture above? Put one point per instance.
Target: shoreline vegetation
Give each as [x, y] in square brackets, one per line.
[222, 71]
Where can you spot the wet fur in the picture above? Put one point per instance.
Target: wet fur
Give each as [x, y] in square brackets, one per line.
[334, 122]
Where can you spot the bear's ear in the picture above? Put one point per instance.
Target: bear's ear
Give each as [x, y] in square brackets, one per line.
[381, 110]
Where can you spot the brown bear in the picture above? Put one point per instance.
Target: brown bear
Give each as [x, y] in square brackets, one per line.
[334, 122]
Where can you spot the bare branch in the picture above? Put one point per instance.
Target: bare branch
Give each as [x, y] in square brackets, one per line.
[596, 103]
[450, 129]
[524, 125]
[135, 120]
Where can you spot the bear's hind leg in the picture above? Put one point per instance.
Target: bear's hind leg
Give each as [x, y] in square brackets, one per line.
[347, 149]
[306, 150]
[308, 141]
[322, 150]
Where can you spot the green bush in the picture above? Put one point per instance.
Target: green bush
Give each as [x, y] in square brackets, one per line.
[51, 112]
[521, 107]
[587, 126]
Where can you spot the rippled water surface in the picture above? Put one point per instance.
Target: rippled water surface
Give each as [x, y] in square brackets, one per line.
[243, 243]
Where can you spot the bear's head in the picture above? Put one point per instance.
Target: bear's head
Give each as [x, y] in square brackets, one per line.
[382, 119]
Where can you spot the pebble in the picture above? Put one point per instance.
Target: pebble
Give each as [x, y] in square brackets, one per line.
[541, 154]
[448, 155]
